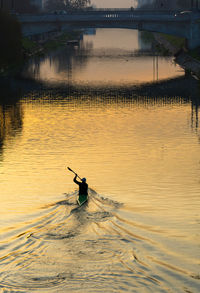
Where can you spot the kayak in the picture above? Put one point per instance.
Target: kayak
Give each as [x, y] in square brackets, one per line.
[82, 199]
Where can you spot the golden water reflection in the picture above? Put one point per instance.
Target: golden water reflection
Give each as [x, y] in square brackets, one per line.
[142, 154]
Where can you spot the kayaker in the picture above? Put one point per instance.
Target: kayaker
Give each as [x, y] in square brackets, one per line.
[83, 189]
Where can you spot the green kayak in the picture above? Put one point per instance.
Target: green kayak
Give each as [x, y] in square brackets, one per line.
[82, 199]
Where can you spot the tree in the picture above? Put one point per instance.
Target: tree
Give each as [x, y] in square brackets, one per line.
[51, 5]
[54, 5]
[78, 3]
[25, 6]
[11, 40]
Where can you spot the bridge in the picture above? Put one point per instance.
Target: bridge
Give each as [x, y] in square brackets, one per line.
[186, 25]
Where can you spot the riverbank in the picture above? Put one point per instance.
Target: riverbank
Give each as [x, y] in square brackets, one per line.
[52, 42]
[183, 57]
[39, 47]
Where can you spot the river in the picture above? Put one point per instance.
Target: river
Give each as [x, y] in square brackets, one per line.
[127, 118]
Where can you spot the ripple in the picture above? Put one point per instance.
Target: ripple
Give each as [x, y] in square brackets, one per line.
[92, 245]
[24, 281]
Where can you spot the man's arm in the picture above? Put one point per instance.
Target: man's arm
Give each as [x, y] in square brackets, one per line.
[77, 182]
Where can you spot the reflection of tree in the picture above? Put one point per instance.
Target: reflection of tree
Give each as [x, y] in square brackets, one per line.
[82, 53]
[10, 122]
[195, 108]
[145, 40]
[195, 103]
[68, 60]
[72, 57]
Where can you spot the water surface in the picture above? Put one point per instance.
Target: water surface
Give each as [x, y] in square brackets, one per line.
[105, 57]
[136, 138]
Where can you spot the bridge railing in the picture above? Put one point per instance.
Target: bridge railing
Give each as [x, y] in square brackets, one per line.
[139, 11]
[113, 10]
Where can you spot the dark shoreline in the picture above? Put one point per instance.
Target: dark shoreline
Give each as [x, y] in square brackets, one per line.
[182, 58]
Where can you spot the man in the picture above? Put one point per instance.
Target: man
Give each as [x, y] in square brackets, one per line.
[83, 190]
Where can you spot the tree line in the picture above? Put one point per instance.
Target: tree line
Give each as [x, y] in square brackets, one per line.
[52, 5]
[28, 6]
[11, 40]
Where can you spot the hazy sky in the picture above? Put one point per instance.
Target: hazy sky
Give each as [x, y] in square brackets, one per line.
[118, 3]
[113, 3]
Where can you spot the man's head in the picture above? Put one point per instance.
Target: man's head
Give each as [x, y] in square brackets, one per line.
[83, 179]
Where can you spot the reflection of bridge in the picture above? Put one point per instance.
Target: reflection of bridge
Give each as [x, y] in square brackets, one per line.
[183, 25]
[176, 90]
[183, 89]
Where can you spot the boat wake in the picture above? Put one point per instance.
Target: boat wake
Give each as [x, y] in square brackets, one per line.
[97, 246]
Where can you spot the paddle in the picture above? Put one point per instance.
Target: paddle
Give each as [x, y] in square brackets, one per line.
[74, 173]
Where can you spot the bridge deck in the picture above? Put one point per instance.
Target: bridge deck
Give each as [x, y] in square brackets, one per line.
[169, 22]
